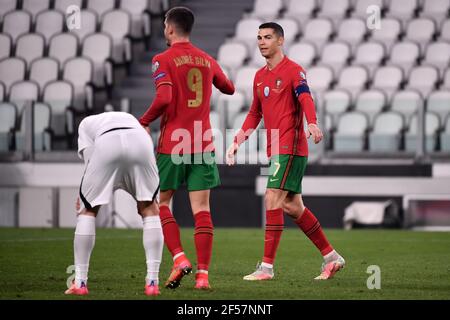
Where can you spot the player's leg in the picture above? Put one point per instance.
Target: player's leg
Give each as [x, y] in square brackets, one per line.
[153, 241]
[293, 205]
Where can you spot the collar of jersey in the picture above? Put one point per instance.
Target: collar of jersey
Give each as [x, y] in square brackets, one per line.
[282, 62]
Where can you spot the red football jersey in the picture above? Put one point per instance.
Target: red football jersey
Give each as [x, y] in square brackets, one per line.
[185, 120]
[281, 97]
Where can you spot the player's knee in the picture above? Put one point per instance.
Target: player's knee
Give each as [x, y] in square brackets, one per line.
[272, 200]
[148, 208]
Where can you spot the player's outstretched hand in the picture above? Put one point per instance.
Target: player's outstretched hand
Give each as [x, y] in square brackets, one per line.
[315, 132]
[231, 153]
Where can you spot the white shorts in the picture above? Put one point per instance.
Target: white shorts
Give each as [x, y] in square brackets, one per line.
[121, 159]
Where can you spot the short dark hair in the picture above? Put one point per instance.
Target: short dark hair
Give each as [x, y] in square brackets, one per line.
[275, 26]
[182, 18]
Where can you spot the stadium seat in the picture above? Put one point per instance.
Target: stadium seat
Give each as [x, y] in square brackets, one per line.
[290, 28]
[58, 95]
[407, 103]
[423, 79]
[404, 55]
[439, 102]
[8, 117]
[318, 32]
[2, 92]
[353, 79]
[266, 10]
[335, 55]
[257, 60]
[319, 80]
[5, 46]
[98, 48]
[43, 71]
[49, 23]
[88, 26]
[100, 6]
[41, 136]
[370, 55]
[352, 31]
[438, 55]
[388, 34]
[30, 46]
[140, 17]
[62, 47]
[16, 23]
[335, 10]
[246, 31]
[371, 103]
[336, 103]
[388, 79]
[351, 132]
[34, 7]
[387, 132]
[437, 10]
[303, 53]
[301, 13]
[432, 126]
[446, 83]
[79, 72]
[445, 31]
[445, 136]
[244, 82]
[117, 24]
[232, 105]
[362, 5]
[7, 6]
[23, 92]
[421, 31]
[11, 71]
[232, 55]
[62, 5]
[403, 10]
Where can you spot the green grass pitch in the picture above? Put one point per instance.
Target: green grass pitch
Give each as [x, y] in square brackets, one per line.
[414, 265]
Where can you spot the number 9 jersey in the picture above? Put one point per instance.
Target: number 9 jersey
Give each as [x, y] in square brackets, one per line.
[190, 73]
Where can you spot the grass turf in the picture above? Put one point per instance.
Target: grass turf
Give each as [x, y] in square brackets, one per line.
[414, 265]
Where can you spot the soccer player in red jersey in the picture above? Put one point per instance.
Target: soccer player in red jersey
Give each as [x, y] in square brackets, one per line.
[282, 98]
[184, 76]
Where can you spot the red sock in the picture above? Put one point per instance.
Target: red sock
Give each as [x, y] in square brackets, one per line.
[274, 228]
[170, 230]
[311, 227]
[203, 238]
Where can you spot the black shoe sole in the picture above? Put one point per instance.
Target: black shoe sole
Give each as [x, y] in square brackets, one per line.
[176, 283]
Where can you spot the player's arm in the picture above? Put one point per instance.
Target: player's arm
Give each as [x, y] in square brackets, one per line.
[221, 81]
[250, 124]
[306, 101]
[163, 84]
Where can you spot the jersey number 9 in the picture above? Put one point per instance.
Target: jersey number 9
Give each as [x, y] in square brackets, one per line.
[195, 84]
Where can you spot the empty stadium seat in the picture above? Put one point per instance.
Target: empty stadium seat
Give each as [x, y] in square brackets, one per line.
[335, 10]
[232, 55]
[403, 10]
[318, 32]
[353, 79]
[62, 5]
[232, 104]
[405, 55]
[350, 133]
[30, 46]
[16, 23]
[445, 136]
[49, 23]
[388, 79]
[41, 136]
[58, 95]
[439, 102]
[335, 55]
[352, 31]
[290, 28]
[421, 31]
[266, 10]
[62, 47]
[140, 17]
[117, 24]
[246, 31]
[446, 83]
[445, 31]
[7, 6]
[437, 10]
[303, 53]
[5, 46]
[244, 82]
[22, 93]
[432, 125]
[35, 7]
[438, 55]
[11, 71]
[43, 71]
[257, 60]
[100, 6]
[371, 103]
[336, 103]
[423, 79]
[89, 25]
[370, 55]
[362, 5]
[2, 92]
[8, 116]
[319, 79]
[79, 72]
[387, 132]
[388, 33]
[98, 48]
[407, 103]
[301, 13]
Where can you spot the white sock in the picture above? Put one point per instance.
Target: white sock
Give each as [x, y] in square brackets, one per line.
[333, 255]
[153, 241]
[267, 265]
[179, 254]
[83, 244]
[202, 271]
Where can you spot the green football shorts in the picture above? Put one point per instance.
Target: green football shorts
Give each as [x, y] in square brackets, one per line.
[198, 170]
[286, 172]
